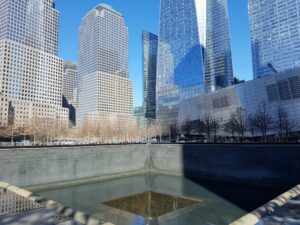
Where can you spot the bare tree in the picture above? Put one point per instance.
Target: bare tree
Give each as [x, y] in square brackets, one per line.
[187, 126]
[200, 127]
[11, 132]
[211, 125]
[216, 124]
[33, 128]
[280, 120]
[155, 129]
[263, 120]
[158, 129]
[284, 124]
[207, 125]
[230, 125]
[174, 131]
[288, 126]
[241, 121]
[251, 125]
[108, 131]
[166, 129]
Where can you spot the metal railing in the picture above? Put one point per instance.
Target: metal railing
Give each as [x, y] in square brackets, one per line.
[15, 200]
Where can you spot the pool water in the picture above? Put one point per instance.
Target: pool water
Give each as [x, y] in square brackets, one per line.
[152, 204]
[159, 199]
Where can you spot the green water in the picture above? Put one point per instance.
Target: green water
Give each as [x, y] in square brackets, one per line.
[222, 202]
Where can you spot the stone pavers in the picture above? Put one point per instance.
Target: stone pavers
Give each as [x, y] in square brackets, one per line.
[289, 214]
[33, 217]
[283, 210]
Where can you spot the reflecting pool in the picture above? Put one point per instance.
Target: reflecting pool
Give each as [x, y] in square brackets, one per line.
[159, 199]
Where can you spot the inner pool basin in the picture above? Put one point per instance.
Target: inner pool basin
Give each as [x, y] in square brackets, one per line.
[160, 199]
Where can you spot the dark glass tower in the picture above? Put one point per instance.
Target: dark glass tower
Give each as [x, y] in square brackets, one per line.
[194, 53]
[275, 36]
[150, 46]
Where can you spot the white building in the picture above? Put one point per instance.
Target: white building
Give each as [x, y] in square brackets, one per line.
[30, 70]
[104, 87]
[280, 90]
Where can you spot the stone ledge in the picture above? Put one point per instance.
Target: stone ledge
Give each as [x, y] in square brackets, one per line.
[268, 209]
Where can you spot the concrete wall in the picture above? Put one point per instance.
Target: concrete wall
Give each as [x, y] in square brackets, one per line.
[274, 165]
[277, 165]
[27, 167]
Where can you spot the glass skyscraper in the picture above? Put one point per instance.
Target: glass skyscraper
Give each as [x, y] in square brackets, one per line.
[150, 47]
[194, 53]
[275, 35]
[104, 86]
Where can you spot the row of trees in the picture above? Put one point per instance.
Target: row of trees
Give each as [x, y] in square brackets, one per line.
[49, 131]
[261, 123]
[38, 130]
[240, 124]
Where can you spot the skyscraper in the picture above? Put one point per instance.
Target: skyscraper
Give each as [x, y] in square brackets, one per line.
[104, 85]
[30, 70]
[194, 53]
[70, 89]
[70, 82]
[150, 47]
[275, 36]
[217, 58]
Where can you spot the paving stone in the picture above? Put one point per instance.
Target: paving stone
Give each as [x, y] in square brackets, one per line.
[286, 215]
[33, 217]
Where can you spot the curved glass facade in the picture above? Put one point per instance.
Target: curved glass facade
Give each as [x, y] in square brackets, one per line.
[194, 53]
[275, 35]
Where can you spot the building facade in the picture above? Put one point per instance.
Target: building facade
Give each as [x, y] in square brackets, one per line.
[275, 36]
[272, 92]
[104, 86]
[30, 70]
[194, 53]
[150, 47]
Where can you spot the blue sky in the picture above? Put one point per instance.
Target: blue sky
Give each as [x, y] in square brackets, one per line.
[144, 15]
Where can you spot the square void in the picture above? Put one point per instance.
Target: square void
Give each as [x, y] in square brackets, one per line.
[152, 204]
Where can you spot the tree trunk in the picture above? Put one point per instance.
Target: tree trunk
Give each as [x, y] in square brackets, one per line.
[12, 138]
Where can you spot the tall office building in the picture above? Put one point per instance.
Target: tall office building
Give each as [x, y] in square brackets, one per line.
[70, 89]
[275, 36]
[104, 86]
[30, 70]
[70, 82]
[150, 47]
[194, 53]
